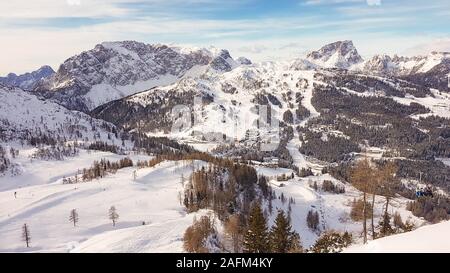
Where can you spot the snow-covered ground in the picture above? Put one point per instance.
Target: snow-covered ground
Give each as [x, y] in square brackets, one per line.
[44, 203]
[431, 238]
[38, 172]
[44, 206]
[334, 209]
[446, 161]
[439, 104]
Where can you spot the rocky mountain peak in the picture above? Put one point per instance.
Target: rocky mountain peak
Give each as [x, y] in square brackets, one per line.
[112, 70]
[340, 54]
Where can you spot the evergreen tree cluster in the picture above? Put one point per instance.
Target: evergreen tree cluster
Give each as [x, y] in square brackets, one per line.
[58, 152]
[105, 147]
[329, 186]
[5, 162]
[305, 172]
[225, 189]
[313, 220]
[331, 242]
[99, 169]
[433, 209]
[280, 239]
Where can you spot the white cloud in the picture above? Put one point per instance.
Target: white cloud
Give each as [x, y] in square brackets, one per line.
[373, 2]
[24, 48]
[74, 2]
[439, 44]
[28, 48]
[23, 9]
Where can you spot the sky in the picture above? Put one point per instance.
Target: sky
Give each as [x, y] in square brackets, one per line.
[38, 32]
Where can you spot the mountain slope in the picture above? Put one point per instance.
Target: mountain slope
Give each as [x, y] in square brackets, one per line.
[24, 115]
[113, 70]
[230, 103]
[151, 198]
[402, 66]
[432, 238]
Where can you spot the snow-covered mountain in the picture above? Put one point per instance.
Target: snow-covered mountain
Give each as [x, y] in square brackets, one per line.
[28, 80]
[340, 54]
[24, 115]
[231, 97]
[113, 70]
[230, 100]
[402, 66]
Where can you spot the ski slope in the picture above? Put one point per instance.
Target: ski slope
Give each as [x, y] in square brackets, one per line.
[431, 239]
[152, 198]
[38, 172]
[294, 144]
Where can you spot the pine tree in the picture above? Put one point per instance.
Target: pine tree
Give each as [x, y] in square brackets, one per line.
[313, 220]
[281, 237]
[26, 237]
[398, 222]
[295, 245]
[73, 217]
[255, 239]
[385, 225]
[331, 242]
[388, 180]
[113, 216]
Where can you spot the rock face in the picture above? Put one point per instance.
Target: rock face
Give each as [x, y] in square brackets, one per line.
[341, 54]
[380, 64]
[243, 61]
[113, 70]
[28, 80]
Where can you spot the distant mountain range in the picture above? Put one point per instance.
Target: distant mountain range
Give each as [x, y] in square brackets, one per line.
[113, 70]
[29, 80]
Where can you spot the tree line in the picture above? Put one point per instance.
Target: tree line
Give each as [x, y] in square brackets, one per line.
[99, 169]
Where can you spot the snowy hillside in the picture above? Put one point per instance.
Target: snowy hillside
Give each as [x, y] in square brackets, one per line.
[153, 198]
[334, 209]
[428, 239]
[151, 215]
[25, 115]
